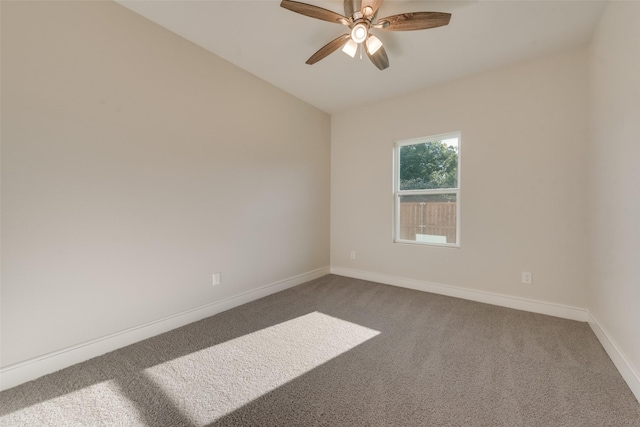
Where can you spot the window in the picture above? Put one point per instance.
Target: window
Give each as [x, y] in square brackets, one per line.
[427, 190]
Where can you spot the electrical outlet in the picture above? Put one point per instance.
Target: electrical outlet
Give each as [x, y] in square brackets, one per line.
[353, 254]
[216, 279]
[527, 277]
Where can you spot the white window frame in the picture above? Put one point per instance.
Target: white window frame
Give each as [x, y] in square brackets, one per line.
[397, 193]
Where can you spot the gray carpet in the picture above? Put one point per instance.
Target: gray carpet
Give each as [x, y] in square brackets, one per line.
[342, 352]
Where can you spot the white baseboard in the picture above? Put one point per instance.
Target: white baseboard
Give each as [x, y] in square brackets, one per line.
[542, 307]
[626, 369]
[16, 374]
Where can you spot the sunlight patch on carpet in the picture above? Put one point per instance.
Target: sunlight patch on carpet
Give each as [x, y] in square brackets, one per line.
[102, 401]
[207, 384]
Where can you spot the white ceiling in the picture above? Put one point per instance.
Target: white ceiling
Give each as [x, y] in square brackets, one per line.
[273, 43]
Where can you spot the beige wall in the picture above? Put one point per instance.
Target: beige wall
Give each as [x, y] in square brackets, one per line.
[134, 165]
[614, 171]
[523, 192]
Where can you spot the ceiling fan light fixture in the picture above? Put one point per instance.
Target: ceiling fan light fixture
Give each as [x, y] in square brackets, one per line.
[359, 33]
[350, 48]
[373, 44]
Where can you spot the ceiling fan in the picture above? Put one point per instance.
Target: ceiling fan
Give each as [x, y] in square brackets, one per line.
[360, 17]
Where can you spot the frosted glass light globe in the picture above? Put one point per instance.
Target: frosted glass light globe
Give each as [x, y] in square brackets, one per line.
[359, 33]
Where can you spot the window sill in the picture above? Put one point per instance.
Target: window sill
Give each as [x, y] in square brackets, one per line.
[439, 245]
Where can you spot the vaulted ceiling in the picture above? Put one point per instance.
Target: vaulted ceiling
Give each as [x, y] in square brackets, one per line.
[273, 43]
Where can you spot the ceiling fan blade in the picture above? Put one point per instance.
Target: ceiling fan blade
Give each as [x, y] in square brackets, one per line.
[328, 49]
[350, 6]
[379, 58]
[414, 21]
[314, 12]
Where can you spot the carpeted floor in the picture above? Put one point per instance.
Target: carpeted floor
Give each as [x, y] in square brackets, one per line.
[343, 352]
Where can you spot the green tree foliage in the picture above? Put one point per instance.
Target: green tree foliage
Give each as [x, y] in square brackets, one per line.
[427, 166]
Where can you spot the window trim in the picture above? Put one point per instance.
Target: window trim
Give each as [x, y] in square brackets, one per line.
[397, 193]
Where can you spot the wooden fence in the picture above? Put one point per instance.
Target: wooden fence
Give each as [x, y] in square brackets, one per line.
[432, 218]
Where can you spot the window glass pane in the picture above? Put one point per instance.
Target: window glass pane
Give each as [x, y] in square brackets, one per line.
[429, 165]
[428, 218]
